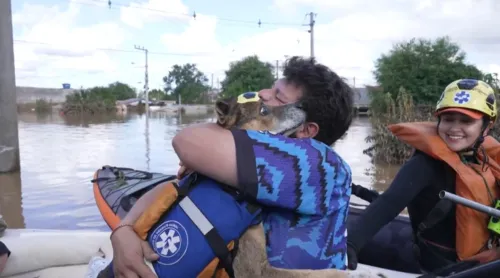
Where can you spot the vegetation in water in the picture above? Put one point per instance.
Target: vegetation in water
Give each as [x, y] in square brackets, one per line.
[384, 146]
[97, 99]
[40, 106]
[43, 106]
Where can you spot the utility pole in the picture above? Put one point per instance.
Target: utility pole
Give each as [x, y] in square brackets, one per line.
[146, 79]
[9, 138]
[277, 65]
[311, 30]
[354, 81]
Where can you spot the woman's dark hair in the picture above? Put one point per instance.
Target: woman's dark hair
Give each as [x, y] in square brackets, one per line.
[327, 98]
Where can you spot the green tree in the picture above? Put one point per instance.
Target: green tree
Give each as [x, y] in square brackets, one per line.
[248, 74]
[423, 67]
[121, 91]
[492, 79]
[159, 95]
[186, 81]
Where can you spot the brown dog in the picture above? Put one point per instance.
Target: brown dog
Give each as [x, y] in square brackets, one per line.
[248, 112]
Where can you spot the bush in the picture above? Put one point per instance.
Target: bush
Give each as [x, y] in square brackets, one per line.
[386, 147]
[43, 106]
[91, 101]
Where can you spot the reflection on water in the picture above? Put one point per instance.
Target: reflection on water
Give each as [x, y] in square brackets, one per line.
[10, 200]
[60, 155]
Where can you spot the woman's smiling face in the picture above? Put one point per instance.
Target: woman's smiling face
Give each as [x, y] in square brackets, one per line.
[458, 130]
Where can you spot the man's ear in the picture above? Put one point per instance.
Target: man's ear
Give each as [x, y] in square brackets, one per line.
[307, 130]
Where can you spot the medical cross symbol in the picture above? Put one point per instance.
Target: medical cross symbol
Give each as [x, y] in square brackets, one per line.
[169, 242]
[249, 95]
[462, 97]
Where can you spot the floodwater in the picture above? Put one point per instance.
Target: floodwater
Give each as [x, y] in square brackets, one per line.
[59, 157]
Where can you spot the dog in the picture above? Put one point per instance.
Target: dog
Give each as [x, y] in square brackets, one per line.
[248, 112]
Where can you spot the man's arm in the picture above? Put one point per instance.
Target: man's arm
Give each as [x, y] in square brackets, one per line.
[273, 169]
[209, 150]
[141, 205]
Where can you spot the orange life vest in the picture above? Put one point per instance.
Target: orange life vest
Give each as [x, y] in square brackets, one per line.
[472, 234]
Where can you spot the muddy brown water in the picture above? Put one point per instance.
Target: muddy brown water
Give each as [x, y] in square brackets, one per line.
[59, 157]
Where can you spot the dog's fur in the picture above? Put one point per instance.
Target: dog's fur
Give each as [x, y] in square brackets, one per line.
[251, 259]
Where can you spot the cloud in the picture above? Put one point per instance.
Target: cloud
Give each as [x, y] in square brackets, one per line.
[351, 35]
[138, 14]
[51, 42]
[348, 36]
[198, 37]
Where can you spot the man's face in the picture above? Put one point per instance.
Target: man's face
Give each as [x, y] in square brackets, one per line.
[281, 93]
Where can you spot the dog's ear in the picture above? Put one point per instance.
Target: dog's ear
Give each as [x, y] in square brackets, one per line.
[222, 108]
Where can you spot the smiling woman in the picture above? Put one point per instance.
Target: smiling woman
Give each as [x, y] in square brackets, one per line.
[450, 155]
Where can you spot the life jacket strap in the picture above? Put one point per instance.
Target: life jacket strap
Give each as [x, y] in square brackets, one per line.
[213, 238]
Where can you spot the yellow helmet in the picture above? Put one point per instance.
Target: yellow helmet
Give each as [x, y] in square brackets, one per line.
[248, 97]
[468, 96]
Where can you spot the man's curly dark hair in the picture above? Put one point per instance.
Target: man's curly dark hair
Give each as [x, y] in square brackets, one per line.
[327, 98]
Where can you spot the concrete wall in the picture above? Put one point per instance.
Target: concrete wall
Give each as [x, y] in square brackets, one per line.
[31, 94]
[195, 109]
[9, 139]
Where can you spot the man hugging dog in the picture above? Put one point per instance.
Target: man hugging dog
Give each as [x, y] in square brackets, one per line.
[303, 185]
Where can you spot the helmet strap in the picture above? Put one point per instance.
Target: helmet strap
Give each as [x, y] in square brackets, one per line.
[477, 144]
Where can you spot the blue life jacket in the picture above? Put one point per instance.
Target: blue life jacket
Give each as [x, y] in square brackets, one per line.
[197, 235]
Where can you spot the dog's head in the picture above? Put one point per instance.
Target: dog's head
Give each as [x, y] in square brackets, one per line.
[247, 111]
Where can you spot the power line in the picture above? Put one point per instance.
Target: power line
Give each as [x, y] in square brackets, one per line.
[111, 5]
[123, 50]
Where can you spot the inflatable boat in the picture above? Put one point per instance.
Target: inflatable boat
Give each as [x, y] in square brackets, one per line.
[39, 253]
[53, 253]
[389, 253]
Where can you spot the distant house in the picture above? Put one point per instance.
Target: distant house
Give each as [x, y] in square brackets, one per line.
[132, 101]
[26, 95]
[361, 100]
[361, 97]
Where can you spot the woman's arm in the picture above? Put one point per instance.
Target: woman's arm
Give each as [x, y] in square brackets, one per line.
[414, 175]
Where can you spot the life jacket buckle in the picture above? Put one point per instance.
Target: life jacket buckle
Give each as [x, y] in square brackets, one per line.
[490, 244]
[494, 224]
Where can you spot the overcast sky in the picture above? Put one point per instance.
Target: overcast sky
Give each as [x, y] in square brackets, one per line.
[85, 43]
